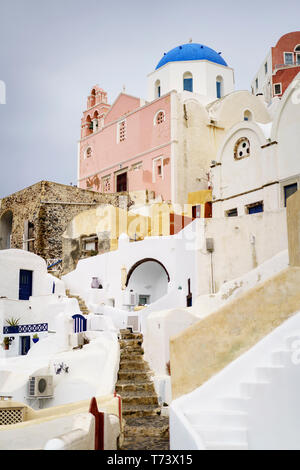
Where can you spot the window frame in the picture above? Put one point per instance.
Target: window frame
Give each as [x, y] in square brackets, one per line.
[229, 212]
[154, 167]
[188, 76]
[274, 89]
[155, 123]
[120, 123]
[248, 207]
[284, 58]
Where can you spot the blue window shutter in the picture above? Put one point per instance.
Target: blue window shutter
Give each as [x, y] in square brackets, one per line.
[218, 89]
[188, 84]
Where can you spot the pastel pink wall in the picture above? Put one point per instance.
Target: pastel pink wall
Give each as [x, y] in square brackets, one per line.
[142, 137]
[124, 104]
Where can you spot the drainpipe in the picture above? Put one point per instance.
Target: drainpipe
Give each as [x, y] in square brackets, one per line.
[210, 249]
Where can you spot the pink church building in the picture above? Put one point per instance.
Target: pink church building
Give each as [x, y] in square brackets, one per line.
[136, 145]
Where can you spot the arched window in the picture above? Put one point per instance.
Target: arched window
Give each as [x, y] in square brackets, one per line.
[6, 223]
[95, 121]
[188, 82]
[247, 115]
[88, 125]
[297, 48]
[88, 152]
[219, 86]
[157, 89]
[159, 117]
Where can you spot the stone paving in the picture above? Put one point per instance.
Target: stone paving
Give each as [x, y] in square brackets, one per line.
[145, 428]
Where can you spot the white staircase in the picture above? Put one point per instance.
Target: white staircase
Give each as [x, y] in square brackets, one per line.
[251, 404]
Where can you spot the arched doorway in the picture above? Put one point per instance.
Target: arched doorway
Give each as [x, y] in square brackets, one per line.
[149, 279]
[6, 230]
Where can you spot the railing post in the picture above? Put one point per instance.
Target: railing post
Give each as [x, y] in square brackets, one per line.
[99, 424]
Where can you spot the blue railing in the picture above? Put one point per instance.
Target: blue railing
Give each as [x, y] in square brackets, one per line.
[8, 330]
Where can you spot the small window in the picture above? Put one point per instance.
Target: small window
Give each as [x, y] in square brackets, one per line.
[188, 82]
[289, 190]
[160, 117]
[255, 208]
[159, 172]
[247, 116]
[219, 87]
[277, 89]
[90, 243]
[157, 90]
[298, 58]
[266, 68]
[88, 152]
[232, 213]
[288, 58]
[242, 148]
[122, 131]
[297, 48]
[256, 84]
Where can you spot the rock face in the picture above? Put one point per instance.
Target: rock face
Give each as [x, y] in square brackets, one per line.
[145, 429]
[41, 213]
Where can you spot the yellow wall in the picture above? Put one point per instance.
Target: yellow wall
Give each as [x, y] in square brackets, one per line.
[198, 198]
[212, 343]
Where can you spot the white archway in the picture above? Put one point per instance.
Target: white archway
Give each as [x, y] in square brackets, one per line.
[149, 280]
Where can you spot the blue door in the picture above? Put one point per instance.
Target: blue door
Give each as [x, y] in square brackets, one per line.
[25, 284]
[79, 323]
[25, 345]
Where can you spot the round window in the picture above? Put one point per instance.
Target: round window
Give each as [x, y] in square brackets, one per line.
[242, 148]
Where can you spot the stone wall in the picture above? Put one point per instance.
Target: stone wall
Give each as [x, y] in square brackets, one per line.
[49, 207]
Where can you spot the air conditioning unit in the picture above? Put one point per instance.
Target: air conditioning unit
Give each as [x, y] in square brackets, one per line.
[41, 386]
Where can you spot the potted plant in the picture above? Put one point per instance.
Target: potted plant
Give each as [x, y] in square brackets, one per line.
[6, 343]
[13, 324]
[35, 338]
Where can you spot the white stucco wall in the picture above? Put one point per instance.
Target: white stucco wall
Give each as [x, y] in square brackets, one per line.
[204, 78]
[176, 254]
[11, 261]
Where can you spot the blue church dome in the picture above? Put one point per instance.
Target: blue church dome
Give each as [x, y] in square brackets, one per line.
[191, 51]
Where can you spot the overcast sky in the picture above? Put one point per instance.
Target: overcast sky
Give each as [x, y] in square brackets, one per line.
[53, 52]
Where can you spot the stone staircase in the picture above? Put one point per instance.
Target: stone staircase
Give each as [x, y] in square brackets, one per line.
[83, 308]
[145, 428]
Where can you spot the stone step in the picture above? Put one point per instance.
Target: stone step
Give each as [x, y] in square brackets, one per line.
[127, 343]
[132, 350]
[139, 399]
[133, 355]
[136, 411]
[155, 426]
[133, 376]
[135, 387]
[145, 443]
[133, 365]
[126, 336]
